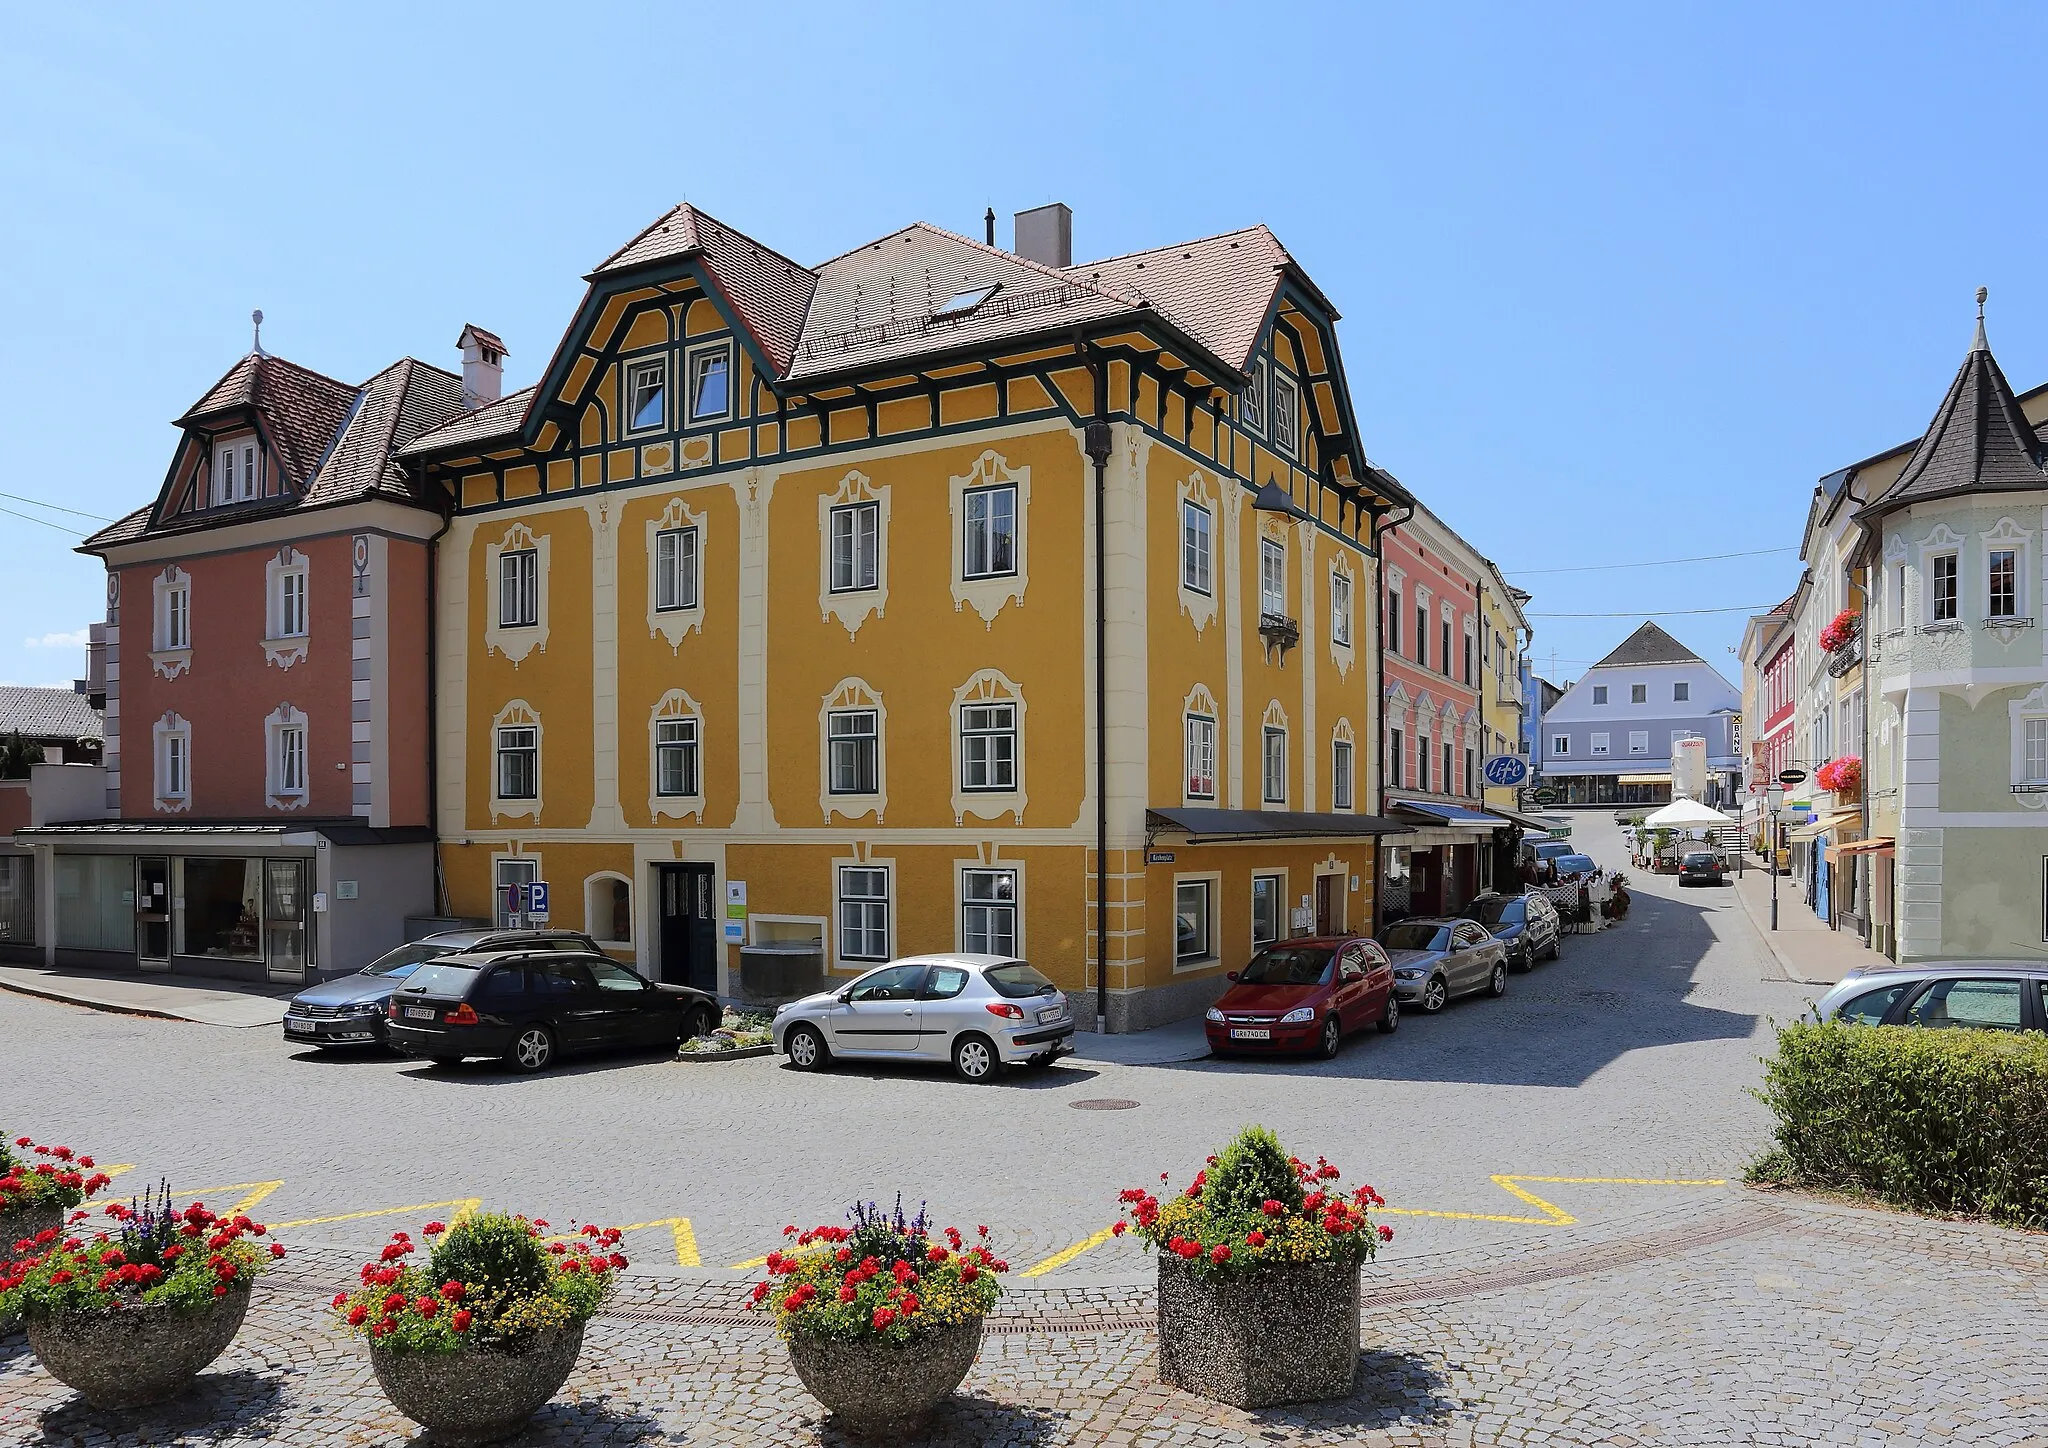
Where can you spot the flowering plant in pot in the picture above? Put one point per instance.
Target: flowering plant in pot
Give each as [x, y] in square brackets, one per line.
[130, 1315]
[882, 1321]
[473, 1341]
[1844, 775]
[1259, 1258]
[35, 1195]
[1839, 630]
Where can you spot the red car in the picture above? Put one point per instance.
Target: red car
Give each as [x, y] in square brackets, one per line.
[1305, 995]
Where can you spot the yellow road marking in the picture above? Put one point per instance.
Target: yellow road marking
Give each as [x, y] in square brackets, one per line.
[257, 1191]
[685, 1238]
[750, 1264]
[464, 1207]
[1061, 1258]
[1553, 1215]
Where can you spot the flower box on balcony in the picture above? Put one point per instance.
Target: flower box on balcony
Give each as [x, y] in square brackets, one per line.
[1844, 776]
[1841, 630]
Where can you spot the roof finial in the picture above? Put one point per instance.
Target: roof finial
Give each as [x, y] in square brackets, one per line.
[256, 317]
[1980, 344]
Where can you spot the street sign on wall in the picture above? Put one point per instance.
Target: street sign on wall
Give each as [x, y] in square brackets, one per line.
[1506, 770]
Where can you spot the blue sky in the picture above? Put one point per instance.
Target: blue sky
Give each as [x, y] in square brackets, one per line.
[1618, 282]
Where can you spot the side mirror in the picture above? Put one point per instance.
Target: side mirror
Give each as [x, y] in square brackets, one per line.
[1230, 975]
[845, 997]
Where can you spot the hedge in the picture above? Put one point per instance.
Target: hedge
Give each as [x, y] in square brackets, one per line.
[1932, 1120]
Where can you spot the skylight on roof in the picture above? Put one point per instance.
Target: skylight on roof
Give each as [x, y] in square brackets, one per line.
[964, 302]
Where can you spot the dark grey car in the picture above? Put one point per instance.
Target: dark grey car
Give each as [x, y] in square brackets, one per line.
[349, 1010]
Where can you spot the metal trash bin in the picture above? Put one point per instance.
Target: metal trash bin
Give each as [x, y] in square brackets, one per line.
[781, 970]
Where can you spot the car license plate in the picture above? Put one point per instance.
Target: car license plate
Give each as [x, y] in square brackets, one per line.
[1056, 1013]
[1241, 1034]
[300, 1028]
[418, 1013]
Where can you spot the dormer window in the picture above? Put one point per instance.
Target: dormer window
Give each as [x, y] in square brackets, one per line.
[237, 471]
[710, 376]
[646, 395]
[1285, 423]
[961, 303]
[1251, 407]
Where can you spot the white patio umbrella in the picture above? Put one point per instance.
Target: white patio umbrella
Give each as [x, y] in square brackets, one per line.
[1685, 814]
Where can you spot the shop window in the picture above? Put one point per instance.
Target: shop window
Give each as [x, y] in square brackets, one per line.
[17, 900]
[988, 912]
[222, 918]
[1268, 892]
[96, 902]
[1193, 921]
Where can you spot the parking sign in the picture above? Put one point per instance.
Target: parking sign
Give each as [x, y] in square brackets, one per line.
[537, 899]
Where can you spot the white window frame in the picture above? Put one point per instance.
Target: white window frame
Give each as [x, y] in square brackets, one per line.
[678, 568]
[1272, 577]
[1197, 548]
[291, 759]
[519, 588]
[989, 746]
[1285, 421]
[857, 566]
[873, 938]
[846, 741]
[2013, 588]
[1273, 764]
[1199, 734]
[1340, 609]
[1599, 743]
[171, 751]
[241, 479]
[1397, 757]
[693, 357]
[983, 530]
[2029, 783]
[1393, 619]
[1560, 744]
[1638, 741]
[1341, 774]
[679, 741]
[644, 375]
[516, 641]
[1935, 558]
[1251, 403]
[507, 744]
[675, 708]
[291, 603]
[1895, 595]
[991, 923]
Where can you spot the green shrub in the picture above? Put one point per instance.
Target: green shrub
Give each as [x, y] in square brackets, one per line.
[1934, 1120]
[1253, 1169]
[495, 1254]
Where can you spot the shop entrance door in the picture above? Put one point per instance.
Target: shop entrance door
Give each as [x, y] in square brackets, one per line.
[284, 919]
[689, 928]
[1329, 914]
[152, 913]
[1426, 891]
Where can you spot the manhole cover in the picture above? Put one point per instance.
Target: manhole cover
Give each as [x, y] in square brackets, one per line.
[1103, 1103]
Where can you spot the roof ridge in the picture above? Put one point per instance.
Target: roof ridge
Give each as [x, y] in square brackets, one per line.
[752, 241]
[643, 233]
[1052, 273]
[1177, 245]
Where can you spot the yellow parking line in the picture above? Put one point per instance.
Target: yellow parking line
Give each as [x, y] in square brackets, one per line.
[685, 1238]
[750, 1264]
[1061, 1258]
[257, 1191]
[464, 1207]
[1553, 1214]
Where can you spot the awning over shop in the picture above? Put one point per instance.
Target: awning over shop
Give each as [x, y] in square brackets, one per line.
[1265, 824]
[1822, 824]
[1451, 816]
[1527, 822]
[1642, 778]
[1879, 846]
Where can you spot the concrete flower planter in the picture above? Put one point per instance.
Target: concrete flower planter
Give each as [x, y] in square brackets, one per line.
[16, 1224]
[879, 1390]
[1286, 1333]
[131, 1356]
[478, 1394]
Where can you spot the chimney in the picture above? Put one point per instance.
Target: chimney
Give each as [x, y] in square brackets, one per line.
[1045, 234]
[483, 366]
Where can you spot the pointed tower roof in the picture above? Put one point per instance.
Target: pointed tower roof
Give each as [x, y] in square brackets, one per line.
[1648, 645]
[1979, 441]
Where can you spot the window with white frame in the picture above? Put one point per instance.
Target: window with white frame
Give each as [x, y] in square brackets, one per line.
[1340, 609]
[676, 764]
[518, 588]
[1450, 777]
[1272, 578]
[863, 912]
[237, 471]
[1943, 601]
[1267, 892]
[676, 553]
[1251, 408]
[988, 912]
[518, 762]
[710, 378]
[988, 747]
[853, 751]
[1895, 595]
[1639, 741]
[1196, 548]
[1193, 920]
[1286, 433]
[1599, 743]
[990, 522]
[1397, 758]
[2034, 751]
[291, 603]
[174, 764]
[856, 547]
[647, 395]
[1560, 744]
[1201, 756]
[291, 759]
[175, 620]
[1340, 774]
[1273, 766]
[1422, 763]
[2002, 583]
[1394, 620]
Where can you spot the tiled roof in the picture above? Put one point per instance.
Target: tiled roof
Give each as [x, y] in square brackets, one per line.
[1649, 645]
[500, 419]
[766, 290]
[122, 530]
[398, 404]
[48, 714]
[300, 409]
[1217, 290]
[1979, 442]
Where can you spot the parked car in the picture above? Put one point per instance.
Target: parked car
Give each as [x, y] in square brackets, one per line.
[1525, 923]
[1305, 995]
[1701, 867]
[1552, 849]
[529, 1007]
[350, 1009]
[1972, 995]
[981, 1012]
[1436, 959]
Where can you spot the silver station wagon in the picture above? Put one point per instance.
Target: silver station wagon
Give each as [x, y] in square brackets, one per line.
[981, 1012]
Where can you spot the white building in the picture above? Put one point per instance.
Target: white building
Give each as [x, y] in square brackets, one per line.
[1608, 740]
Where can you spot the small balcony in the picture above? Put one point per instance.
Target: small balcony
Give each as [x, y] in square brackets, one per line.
[1845, 658]
[1279, 631]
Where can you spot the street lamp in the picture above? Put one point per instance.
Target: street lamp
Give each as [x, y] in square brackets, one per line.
[1774, 795]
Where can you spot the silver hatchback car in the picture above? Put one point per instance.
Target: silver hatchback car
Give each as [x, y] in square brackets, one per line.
[1988, 995]
[981, 1012]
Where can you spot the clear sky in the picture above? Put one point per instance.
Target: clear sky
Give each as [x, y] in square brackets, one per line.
[1619, 282]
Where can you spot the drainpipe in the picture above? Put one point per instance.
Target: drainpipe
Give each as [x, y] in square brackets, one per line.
[1095, 441]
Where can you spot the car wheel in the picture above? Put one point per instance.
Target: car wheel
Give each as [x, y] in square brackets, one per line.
[1332, 1039]
[1390, 1018]
[1497, 983]
[974, 1057]
[807, 1049]
[1556, 947]
[1524, 959]
[1436, 995]
[532, 1049]
[701, 1021]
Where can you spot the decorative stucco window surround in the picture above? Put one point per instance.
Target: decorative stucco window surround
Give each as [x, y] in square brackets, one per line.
[988, 904]
[1343, 609]
[853, 696]
[1197, 491]
[1895, 554]
[675, 708]
[989, 593]
[171, 751]
[518, 715]
[988, 692]
[1201, 746]
[1343, 765]
[1943, 541]
[2030, 749]
[516, 642]
[852, 606]
[1394, 624]
[686, 616]
[2009, 536]
[171, 642]
[288, 758]
[1274, 764]
[287, 608]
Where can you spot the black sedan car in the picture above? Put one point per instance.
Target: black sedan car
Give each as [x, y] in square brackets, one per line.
[1526, 924]
[349, 1010]
[1702, 867]
[530, 1007]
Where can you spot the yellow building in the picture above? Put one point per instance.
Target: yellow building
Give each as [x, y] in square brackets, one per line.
[771, 614]
[1504, 644]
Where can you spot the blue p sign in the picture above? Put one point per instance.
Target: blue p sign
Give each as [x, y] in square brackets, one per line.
[537, 899]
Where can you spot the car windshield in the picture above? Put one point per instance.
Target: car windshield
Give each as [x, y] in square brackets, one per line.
[1416, 935]
[1288, 965]
[1551, 849]
[443, 980]
[403, 961]
[1575, 865]
[1018, 980]
[1498, 911]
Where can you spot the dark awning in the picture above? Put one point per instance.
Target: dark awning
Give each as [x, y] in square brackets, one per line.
[1455, 816]
[1526, 821]
[1266, 824]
